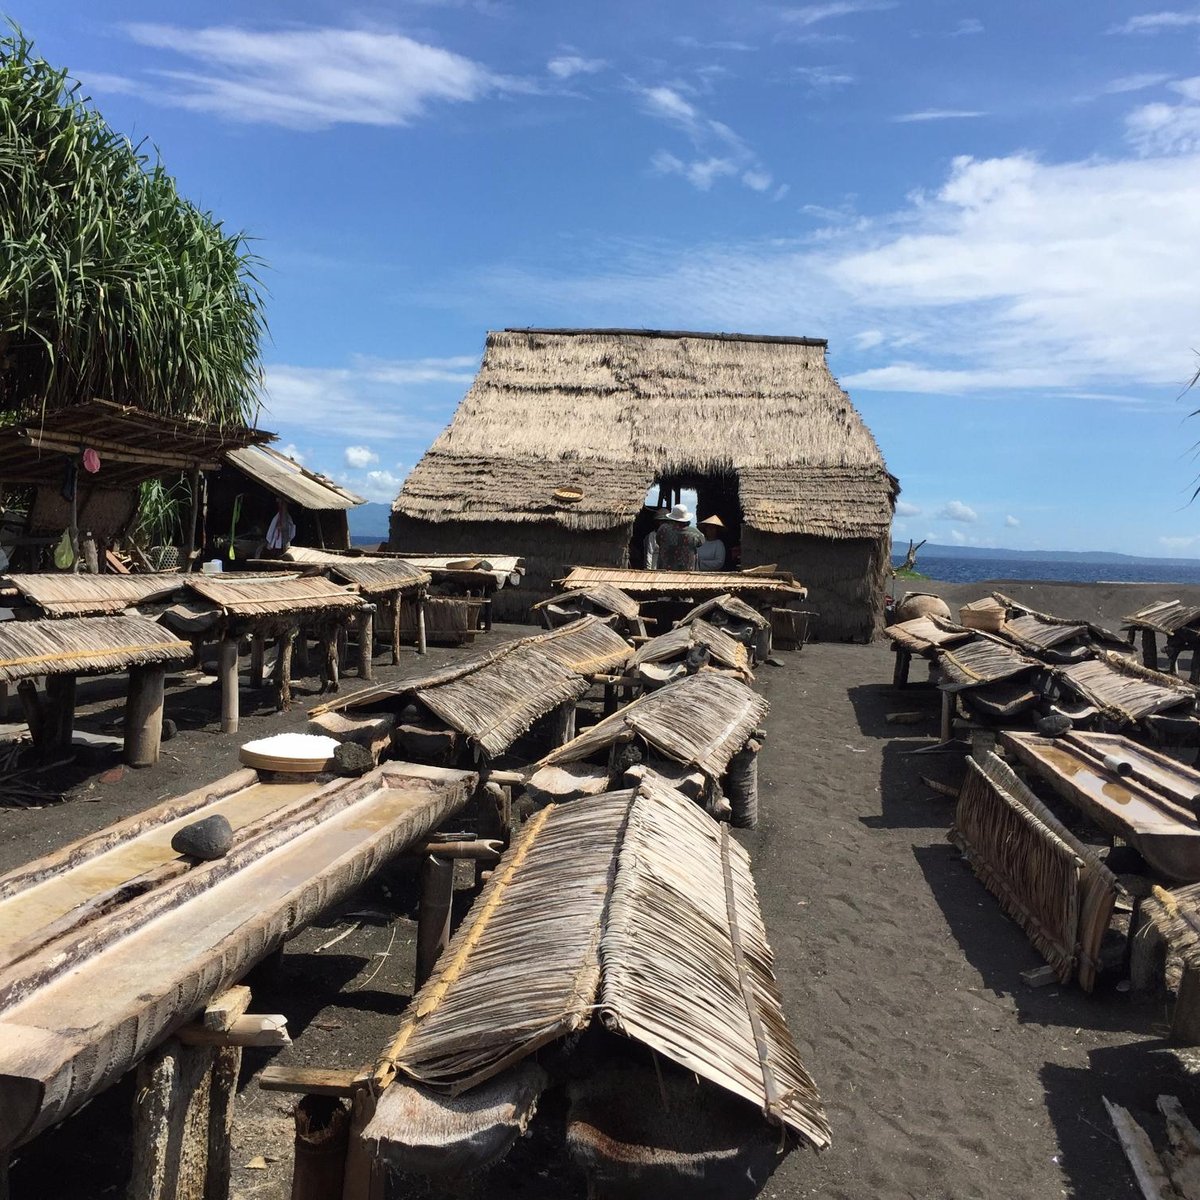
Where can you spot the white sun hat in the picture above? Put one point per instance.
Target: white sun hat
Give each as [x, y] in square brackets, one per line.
[680, 513]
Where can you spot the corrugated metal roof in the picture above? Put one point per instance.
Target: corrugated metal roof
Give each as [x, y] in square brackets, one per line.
[286, 477]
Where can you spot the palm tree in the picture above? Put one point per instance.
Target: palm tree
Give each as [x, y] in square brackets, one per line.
[112, 285]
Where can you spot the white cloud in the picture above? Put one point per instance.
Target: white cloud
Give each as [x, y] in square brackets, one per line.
[311, 78]
[1009, 274]
[956, 510]
[359, 457]
[721, 153]
[868, 339]
[565, 66]
[381, 486]
[811, 14]
[823, 78]
[292, 451]
[405, 401]
[1133, 83]
[1157, 22]
[1011, 522]
[967, 26]
[905, 509]
[958, 537]
[938, 114]
[1162, 128]
[1179, 543]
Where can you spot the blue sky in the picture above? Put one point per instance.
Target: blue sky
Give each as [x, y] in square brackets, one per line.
[992, 211]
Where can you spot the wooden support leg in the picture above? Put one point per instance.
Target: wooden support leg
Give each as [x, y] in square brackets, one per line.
[227, 1066]
[741, 783]
[1185, 1023]
[283, 669]
[144, 714]
[562, 724]
[1147, 953]
[1193, 673]
[947, 729]
[60, 712]
[900, 672]
[342, 643]
[421, 646]
[31, 707]
[170, 1124]
[433, 913]
[395, 615]
[486, 612]
[1149, 649]
[610, 699]
[258, 649]
[366, 643]
[227, 671]
[322, 1135]
[3, 721]
[303, 667]
[365, 1178]
[329, 682]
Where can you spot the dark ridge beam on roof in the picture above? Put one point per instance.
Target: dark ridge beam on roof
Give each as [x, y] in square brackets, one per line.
[681, 333]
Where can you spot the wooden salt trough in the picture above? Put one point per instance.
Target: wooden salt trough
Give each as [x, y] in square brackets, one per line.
[601, 599]
[747, 625]
[110, 944]
[669, 652]
[634, 912]
[1143, 797]
[1177, 622]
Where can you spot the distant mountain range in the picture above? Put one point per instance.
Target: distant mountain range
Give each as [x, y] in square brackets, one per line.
[933, 550]
[370, 521]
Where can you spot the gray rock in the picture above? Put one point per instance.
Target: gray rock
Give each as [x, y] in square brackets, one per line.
[353, 759]
[207, 839]
[1053, 725]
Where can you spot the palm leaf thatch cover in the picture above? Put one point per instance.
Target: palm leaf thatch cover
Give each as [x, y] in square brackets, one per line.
[607, 411]
[923, 635]
[112, 285]
[587, 646]
[602, 595]
[675, 644]
[700, 721]
[1052, 884]
[729, 606]
[982, 661]
[63, 595]
[635, 905]
[84, 645]
[246, 597]
[1126, 690]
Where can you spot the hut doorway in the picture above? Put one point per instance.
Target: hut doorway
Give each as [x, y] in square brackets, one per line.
[706, 496]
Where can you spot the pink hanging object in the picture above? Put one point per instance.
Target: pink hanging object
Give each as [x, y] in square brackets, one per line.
[91, 461]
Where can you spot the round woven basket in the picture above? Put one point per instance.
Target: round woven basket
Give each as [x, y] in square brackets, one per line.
[568, 495]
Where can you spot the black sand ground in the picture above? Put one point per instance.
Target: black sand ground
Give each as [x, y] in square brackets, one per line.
[943, 1075]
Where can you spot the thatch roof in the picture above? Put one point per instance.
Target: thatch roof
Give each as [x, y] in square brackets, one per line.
[63, 595]
[923, 635]
[1166, 616]
[982, 661]
[729, 608]
[367, 574]
[609, 411]
[603, 596]
[1125, 689]
[249, 597]
[587, 646]
[674, 645]
[701, 721]
[635, 907]
[287, 478]
[779, 587]
[83, 646]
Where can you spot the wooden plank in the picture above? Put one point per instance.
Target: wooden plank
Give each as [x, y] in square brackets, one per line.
[312, 1081]
[1147, 1169]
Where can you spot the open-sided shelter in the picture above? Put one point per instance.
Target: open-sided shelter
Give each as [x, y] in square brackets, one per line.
[554, 449]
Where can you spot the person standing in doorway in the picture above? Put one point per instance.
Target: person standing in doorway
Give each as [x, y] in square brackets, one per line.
[650, 545]
[711, 556]
[678, 541]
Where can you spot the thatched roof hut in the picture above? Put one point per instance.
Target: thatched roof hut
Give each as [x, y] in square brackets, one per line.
[554, 448]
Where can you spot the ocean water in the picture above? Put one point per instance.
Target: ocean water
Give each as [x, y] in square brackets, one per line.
[1067, 570]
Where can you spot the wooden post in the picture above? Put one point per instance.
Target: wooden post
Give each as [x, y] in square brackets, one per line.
[421, 646]
[330, 639]
[322, 1135]
[258, 647]
[1185, 1022]
[486, 613]
[91, 556]
[1147, 951]
[395, 611]
[947, 729]
[283, 668]
[366, 642]
[562, 724]
[144, 714]
[227, 671]
[1194, 670]
[35, 716]
[433, 913]
[3, 720]
[900, 671]
[365, 1179]
[343, 639]
[73, 526]
[222, 1092]
[302, 665]
[170, 1124]
[1149, 649]
[60, 714]
[741, 783]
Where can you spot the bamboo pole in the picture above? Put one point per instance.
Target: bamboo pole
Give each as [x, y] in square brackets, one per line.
[396, 610]
[144, 714]
[227, 671]
[421, 645]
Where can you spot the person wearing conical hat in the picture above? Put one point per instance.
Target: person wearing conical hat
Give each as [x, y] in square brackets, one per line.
[711, 556]
[678, 541]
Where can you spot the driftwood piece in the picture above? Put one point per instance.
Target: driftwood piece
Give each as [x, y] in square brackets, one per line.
[1151, 1178]
[1182, 1160]
[312, 1081]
